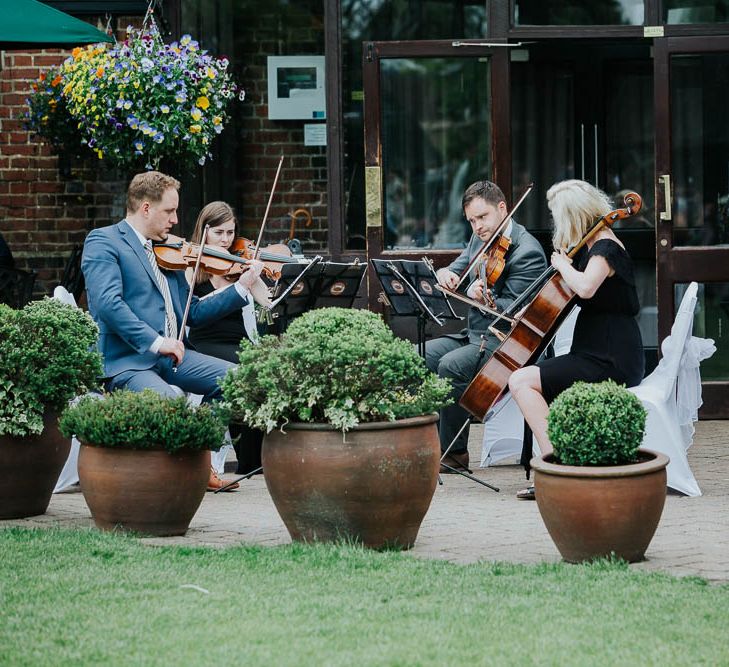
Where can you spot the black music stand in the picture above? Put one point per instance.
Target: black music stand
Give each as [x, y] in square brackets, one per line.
[410, 290]
[319, 285]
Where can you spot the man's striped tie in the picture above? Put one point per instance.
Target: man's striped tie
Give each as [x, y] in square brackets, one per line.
[164, 287]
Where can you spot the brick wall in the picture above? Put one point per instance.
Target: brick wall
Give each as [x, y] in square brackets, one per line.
[244, 171]
[47, 205]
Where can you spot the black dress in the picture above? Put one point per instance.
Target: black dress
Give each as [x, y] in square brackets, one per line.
[221, 339]
[606, 343]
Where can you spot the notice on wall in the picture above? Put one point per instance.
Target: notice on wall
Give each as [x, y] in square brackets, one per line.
[315, 134]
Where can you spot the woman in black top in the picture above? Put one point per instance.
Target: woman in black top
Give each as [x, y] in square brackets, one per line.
[606, 342]
[222, 338]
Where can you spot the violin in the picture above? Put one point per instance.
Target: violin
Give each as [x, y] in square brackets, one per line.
[272, 256]
[177, 254]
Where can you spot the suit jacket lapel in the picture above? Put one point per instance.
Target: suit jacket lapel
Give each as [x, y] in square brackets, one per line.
[127, 233]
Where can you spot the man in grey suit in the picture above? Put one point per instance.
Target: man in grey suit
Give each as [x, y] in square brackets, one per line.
[139, 307]
[460, 356]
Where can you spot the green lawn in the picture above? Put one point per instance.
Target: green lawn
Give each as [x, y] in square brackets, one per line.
[88, 598]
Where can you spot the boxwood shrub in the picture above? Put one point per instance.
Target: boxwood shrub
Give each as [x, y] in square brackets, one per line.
[596, 424]
[145, 420]
[334, 366]
[47, 357]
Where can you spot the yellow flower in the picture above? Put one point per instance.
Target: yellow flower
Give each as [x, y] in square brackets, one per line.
[196, 113]
[217, 120]
[100, 154]
[203, 102]
[194, 129]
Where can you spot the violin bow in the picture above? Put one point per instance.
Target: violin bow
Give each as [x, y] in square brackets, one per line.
[268, 207]
[489, 243]
[195, 271]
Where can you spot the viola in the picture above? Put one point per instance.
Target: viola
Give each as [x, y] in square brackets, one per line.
[498, 243]
[273, 256]
[533, 329]
[493, 260]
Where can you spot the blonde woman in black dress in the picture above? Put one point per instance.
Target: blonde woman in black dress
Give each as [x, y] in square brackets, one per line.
[606, 342]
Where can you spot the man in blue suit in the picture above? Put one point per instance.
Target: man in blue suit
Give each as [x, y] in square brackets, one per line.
[139, 307]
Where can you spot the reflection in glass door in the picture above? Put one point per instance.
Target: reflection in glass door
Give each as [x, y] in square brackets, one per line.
[436, 140]
[589, 114]
[700, 149]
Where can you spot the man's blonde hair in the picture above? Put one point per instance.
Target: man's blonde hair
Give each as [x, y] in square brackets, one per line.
[575, 205]
[149, 186]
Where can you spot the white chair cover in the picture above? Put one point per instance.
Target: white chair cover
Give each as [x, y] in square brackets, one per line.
[61, 294]
[672, 395]
[504, 425]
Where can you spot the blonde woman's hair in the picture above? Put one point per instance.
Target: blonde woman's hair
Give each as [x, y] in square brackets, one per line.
[149, 186]
[214, 214]
[575, 205]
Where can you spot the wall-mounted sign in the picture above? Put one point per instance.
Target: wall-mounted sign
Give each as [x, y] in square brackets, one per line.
[296, 88]
[315, 134]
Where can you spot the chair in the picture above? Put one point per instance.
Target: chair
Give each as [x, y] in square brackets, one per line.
[672, 395]
[504, 425]
[73, 278]
[16, 286]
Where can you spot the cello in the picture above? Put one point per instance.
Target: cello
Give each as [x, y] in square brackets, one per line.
[533, 329]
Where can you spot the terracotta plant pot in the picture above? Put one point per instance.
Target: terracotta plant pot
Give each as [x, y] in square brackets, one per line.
[29, 469]
[375, 487]
[151, 492]
[591, 512]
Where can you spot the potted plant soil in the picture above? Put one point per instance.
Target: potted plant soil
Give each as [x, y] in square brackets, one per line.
[144, 461]
[47, 357]
[598, 493]
[352, 448]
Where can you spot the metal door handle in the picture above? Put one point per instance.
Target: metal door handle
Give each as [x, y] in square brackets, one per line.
[594, 127]
[582, 149]
[666, 180]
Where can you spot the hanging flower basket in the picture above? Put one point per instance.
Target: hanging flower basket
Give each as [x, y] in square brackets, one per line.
[136, 102]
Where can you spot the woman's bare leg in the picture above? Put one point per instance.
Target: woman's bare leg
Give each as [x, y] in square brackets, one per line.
[525, 386]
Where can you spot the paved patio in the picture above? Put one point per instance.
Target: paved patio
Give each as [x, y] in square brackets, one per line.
[467, 522]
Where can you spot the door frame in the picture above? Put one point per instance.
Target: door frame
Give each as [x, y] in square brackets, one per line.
[373, 53]
[682, 264]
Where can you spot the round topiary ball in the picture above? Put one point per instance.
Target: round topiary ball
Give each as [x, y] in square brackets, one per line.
[596, 424]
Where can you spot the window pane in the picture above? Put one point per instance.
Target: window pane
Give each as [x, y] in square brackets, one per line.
[696, 11]
[578, 12]
[711, 320]
[700, 144]
[369, 20]
[436, 140]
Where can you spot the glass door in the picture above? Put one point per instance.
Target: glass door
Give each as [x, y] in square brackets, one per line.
[588, 114]
[692, 166]
[432, 126]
